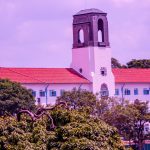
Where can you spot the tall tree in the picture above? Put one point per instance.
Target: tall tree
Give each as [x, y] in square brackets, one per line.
[14, 97]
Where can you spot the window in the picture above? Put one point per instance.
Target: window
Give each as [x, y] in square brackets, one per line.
[146, 91]
[100, 30]
[42, 93]
[127, 92]
[62, 92]
[52, 93]
[34, 93]
[136, 91]
[103, 71]
[116, 91]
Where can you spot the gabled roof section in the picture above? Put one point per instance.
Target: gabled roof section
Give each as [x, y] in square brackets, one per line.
[43, 75]
[132, 75]
[90, 11]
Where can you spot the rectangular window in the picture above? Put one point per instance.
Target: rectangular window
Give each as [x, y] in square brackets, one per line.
[52, 93]
[127, 92]
[42, 93]
[34, 93]
[146, 91]
[116, 91]
[136, 91]
[62, 92]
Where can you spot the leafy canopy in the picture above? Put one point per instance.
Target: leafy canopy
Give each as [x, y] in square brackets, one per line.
[129, 119]
[14, 97]
[74, 131]
[79, 99]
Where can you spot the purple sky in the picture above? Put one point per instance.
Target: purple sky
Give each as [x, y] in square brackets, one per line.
[38, 33]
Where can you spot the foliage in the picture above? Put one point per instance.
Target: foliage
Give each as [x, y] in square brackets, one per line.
[129, 119]
[14, 97]
[79, 99]
[115, 63]
[141, 63]
[134, 63]
[74, 131]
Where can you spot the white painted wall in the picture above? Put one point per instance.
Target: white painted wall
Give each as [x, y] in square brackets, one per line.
[131, 87]
[56, 87]
[91, 59]
[68, 87]
[83, 58]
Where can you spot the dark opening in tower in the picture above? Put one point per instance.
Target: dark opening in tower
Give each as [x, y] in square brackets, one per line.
[100, 30]
[81, 36]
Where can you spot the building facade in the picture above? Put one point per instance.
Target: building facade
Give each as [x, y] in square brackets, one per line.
[90, 68]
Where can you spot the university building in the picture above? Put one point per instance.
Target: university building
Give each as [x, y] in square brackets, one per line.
[90, 68]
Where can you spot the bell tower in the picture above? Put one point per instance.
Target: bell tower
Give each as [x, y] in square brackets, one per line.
[91, 53]
[93, 23]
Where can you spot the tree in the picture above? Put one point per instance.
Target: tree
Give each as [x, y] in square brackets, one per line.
[141, 63]
[115, 63]
[74, 131]
[14, 97]
[130, 120]
[79, 99]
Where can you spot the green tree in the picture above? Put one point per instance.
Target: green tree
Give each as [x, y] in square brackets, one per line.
[115, 63]
[74, 131]
[14, 97]
[141, 63]
[79, 99]
[129, 119]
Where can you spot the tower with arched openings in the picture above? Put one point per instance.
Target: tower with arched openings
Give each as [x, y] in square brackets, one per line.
[91, 50]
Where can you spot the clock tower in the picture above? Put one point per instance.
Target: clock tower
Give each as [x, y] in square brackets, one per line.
[91, 52]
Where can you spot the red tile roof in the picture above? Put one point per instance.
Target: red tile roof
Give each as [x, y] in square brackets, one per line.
[42, 75]
[132, 75]
[69, 75]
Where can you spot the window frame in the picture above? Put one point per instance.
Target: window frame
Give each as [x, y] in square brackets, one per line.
[116, 91]
[146, 91]
[33, 93]
[42, 93]
[52, 93]
[136, 91]
[127, 92]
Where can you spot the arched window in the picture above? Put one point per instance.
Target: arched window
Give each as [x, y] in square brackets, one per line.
[104, 91]
[81, 36]
[100, 30]
[100, 36]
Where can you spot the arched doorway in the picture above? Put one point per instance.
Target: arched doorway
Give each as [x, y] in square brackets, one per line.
[104, 92]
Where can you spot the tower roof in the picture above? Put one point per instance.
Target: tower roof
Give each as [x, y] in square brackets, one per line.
[90, 11]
